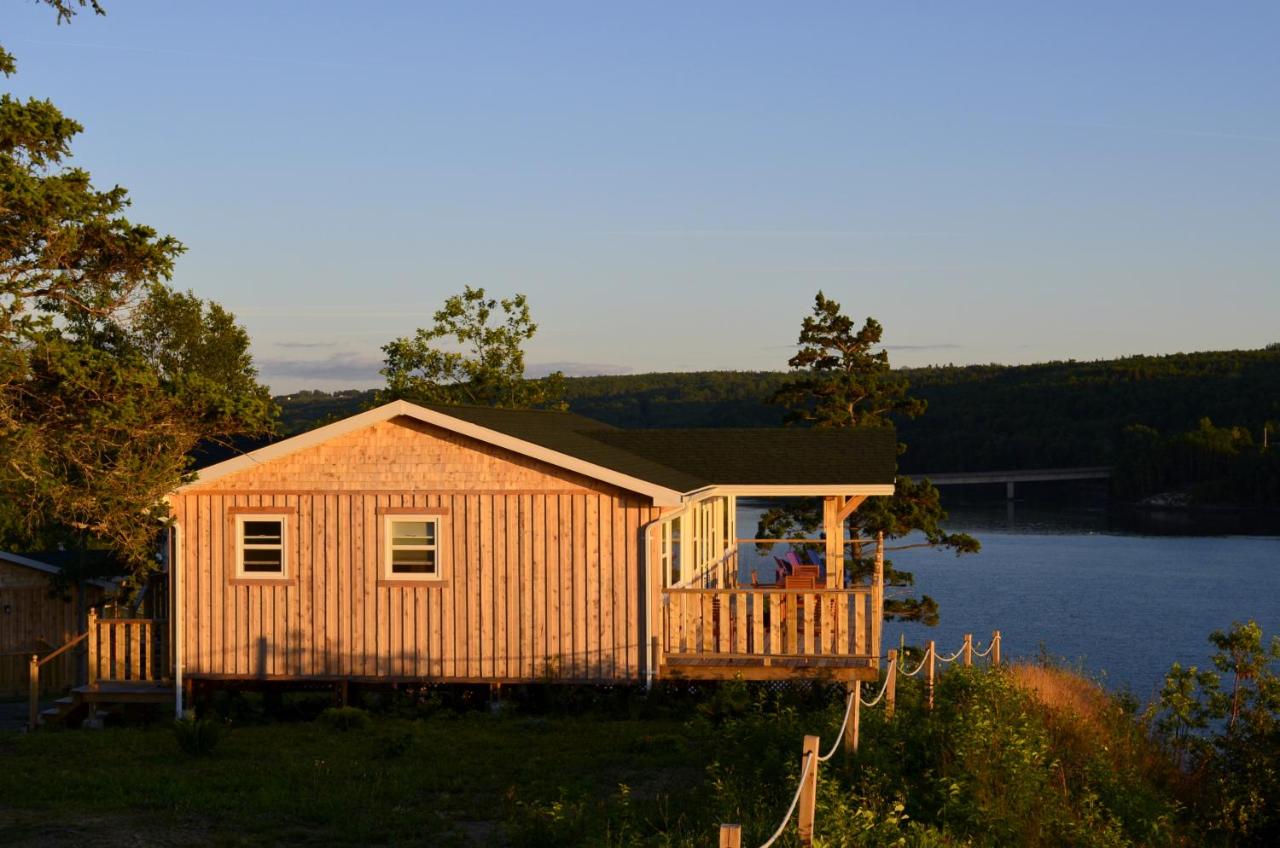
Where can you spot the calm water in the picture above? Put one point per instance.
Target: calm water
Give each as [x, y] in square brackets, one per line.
[1097, 590]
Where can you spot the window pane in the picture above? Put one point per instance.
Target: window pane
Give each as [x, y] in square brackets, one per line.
[422, 561]
[262, 532]
[263, 559]
[413, 532]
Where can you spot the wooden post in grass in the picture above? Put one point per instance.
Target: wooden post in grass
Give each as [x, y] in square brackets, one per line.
[854, 689]
[968, 650]
[730, 836]
[995, 647]
[929, 671]
[891, 684]
[33, 672]
[808, 791]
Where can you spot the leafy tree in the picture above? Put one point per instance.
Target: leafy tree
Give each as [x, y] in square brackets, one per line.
[843, 382]
[108, 378]
[1228, 743]
[487, 370]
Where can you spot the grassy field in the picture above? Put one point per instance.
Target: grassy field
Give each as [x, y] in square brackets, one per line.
[1020, 756]
[468, 779]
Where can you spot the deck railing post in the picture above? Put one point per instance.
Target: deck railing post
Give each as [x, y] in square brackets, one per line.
[891, 685]
[730, 836]
[968, 650]
[33, 674]
[808, 790]
[929, 671]
[995, 648]
[93, 646]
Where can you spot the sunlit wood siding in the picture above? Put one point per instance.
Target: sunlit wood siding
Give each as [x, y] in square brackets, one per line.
[541, 573]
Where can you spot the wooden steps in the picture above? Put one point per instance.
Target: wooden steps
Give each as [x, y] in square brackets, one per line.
[97, 699]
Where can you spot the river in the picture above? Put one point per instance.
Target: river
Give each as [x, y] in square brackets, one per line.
[1119, 596]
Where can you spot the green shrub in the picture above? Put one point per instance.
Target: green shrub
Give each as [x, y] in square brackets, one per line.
[197, 737]
[344, 718]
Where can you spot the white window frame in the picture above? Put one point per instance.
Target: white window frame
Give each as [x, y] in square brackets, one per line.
[388, 547]
[241, 519]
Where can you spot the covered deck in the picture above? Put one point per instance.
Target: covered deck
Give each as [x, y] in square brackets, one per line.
[751, 608]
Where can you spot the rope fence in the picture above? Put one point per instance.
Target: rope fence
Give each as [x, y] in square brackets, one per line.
[805, 799]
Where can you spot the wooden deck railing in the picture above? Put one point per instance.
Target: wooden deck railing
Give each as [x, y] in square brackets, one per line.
[128, 649]
[761, 623]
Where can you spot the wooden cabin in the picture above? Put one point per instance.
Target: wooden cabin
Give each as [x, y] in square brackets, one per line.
[35, 620]
[461, 544]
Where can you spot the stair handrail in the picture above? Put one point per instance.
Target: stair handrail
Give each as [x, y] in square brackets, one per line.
[33, 718]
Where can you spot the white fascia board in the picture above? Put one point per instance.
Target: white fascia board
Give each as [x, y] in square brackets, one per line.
[661, 495]
[792, 490]
[36, 565]
[30, 563]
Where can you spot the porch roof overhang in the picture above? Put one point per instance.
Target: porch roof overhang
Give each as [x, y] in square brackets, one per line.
[779, 490]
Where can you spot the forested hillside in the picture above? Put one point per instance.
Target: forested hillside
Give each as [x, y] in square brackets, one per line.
[982, 416]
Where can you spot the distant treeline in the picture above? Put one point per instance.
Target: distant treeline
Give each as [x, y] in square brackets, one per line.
[1142, 414]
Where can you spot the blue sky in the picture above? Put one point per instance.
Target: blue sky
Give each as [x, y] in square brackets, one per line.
[671, 183]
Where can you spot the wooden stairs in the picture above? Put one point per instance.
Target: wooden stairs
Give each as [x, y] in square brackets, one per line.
[98, 700]
[129, 664]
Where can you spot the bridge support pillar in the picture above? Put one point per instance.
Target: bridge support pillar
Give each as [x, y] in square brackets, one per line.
[1008, 490]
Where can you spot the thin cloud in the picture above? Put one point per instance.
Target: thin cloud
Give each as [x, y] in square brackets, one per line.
[307, 345]
[773, 234]
[325, 310]
[1194, 133]
[944, 346]
[193, 54]
[338, 366]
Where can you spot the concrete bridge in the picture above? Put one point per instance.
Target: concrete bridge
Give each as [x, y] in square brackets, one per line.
[1010, 478]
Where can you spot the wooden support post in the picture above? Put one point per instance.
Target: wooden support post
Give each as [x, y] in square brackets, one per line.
[93, 646]
[995, 648]
[851, 732]
[968, 650]
[877, 598]
[730, 836]
[808, 791]
[33, 679]
[834, 529]
[891, 685]
[929, 671]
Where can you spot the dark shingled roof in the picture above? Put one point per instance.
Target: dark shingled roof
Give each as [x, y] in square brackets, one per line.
[773, 456]
[576, 436]
[687, 459]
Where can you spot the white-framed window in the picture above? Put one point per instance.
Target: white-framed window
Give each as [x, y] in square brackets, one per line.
[261, 545]
[412, 547]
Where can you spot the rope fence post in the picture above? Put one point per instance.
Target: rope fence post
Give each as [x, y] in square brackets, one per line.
[995, 648]
[851, 732]
[930, 672]
[730, 836]
[808, 790]
[891, 690]
[968, 650]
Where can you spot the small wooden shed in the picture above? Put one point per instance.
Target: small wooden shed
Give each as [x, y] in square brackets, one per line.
[464, 544]
[36, 620]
